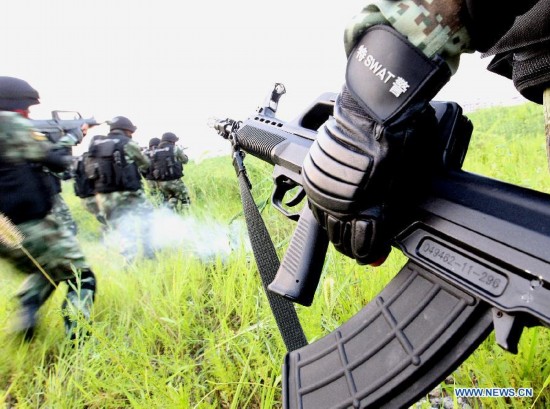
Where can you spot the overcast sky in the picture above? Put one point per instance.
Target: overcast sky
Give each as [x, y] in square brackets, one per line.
[169, 66]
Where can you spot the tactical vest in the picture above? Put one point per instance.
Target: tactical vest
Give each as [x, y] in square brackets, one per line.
[107, 167]
[164, 164]
[83, 186]
[26, 192]
[149, 172]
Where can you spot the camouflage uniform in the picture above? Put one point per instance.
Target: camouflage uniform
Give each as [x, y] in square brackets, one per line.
[152, 186]
[90, 204]
[63, 213]
[46, 239]
[128, 212]
[175, 192]
[60, 208]
[432, 26]
[444, 27]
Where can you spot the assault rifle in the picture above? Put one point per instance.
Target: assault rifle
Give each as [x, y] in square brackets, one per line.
[58, 126]
[478, 261]
[60, 123]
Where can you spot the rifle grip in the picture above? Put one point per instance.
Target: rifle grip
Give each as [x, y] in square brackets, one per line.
[300, 270]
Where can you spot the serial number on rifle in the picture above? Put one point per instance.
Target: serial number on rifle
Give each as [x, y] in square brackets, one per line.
[462, 266]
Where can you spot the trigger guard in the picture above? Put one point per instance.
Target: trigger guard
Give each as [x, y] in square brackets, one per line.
[282, 186]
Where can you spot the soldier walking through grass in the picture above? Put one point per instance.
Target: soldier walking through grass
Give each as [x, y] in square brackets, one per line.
[47, 251]
[150, 181]
[83, 186]
[167, 169]
[116, 164]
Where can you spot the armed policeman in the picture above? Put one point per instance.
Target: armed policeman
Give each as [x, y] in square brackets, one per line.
[27, 200]
[60, 207]
[116, 164]
[83, 185]
[65, 134]
[368, 160]
[167, 170]
[152, 185]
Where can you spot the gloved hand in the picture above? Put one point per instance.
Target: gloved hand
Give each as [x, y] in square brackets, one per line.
[363, 166]
[75, 135]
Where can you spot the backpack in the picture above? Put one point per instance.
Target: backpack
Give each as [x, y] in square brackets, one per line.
[107, 167]
[164, 164]
[83, 185]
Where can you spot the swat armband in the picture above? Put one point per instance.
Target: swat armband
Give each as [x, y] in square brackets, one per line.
[386, 74]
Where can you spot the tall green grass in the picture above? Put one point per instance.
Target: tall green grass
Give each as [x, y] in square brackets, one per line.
[186, 332]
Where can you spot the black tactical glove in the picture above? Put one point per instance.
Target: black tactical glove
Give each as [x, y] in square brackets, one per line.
[369, 156]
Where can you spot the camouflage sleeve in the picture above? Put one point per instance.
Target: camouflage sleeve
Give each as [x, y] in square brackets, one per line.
[20, 141]
[181, 156]
[445, 27]
[67, 141]
[134, 153]
[435, 27]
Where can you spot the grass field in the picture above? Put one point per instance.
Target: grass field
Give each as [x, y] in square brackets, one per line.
[192, 329]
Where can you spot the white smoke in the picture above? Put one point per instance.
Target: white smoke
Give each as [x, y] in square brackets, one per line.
[205, 239]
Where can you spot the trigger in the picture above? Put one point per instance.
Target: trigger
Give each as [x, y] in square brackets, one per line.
[508, 330]
[297, 198]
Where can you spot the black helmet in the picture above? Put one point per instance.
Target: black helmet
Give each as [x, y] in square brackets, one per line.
[121, 122]
[16, 94]
[154, 142]
[169, 137]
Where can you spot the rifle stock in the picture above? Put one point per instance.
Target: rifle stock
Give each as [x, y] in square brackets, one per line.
[478, 260]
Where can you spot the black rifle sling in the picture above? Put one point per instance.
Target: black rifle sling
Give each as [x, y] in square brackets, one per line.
[268, 264]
